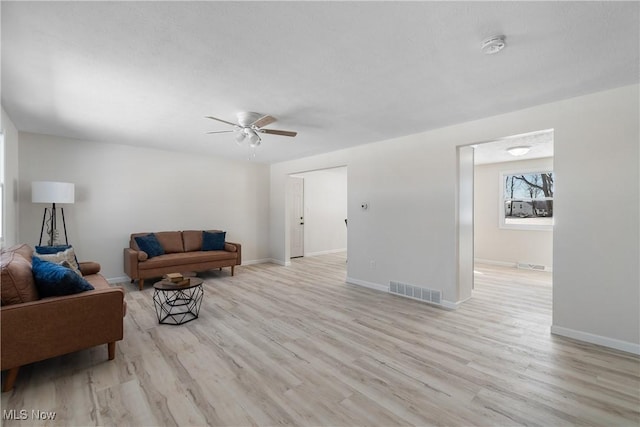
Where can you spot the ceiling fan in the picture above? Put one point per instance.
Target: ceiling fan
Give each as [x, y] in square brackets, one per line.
[250, 125]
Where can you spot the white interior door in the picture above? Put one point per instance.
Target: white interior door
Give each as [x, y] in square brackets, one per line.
[296, 220]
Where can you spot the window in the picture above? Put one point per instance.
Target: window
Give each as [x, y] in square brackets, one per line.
[527, 200]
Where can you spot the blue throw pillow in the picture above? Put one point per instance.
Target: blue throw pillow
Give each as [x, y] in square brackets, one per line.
[55, 280]
[213, 241]
[150, 245]
[46, 250]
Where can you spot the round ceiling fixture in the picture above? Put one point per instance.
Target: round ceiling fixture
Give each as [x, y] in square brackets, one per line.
[493, 44]
[519, 151]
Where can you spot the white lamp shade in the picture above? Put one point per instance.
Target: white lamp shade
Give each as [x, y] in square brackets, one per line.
[52, 192]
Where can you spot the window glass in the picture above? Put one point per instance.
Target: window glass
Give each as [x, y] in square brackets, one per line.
[527, 200]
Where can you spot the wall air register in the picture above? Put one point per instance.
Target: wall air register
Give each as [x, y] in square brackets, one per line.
[415, 292]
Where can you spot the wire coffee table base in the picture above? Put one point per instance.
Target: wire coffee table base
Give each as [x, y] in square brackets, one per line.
[176, 305]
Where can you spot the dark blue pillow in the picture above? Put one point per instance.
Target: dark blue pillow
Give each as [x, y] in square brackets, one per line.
[55, 280]
[46, 250]
[213, 241]
[150, 245]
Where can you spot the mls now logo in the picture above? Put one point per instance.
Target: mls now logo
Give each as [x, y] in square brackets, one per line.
[42, 415]
[14, 414]
[23, 414]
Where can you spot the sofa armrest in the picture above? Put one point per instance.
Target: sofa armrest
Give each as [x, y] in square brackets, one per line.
[234, 247]
[54, 326]
[131, 263]
[88, 268]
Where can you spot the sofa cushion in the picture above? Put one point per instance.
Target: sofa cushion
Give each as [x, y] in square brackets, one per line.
[192, 240]
[178, 259]
[16, 281]
[213, 241]
[22, 249]
[67, 255]
[150, 245]
[171, 241]
[54, 280]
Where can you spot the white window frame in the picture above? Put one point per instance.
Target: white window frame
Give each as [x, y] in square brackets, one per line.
[501, 201]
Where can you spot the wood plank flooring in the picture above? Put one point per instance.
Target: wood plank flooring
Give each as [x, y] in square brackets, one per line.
[297, 346]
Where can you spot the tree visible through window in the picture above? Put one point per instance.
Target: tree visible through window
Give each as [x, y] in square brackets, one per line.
[528, 198]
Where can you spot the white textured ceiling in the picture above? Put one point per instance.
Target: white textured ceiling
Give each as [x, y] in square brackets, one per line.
[339, 73]
[539, 142]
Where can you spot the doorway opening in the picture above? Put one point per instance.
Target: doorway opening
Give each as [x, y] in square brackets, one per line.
[316, 212]
[505, 208]
[296, 216]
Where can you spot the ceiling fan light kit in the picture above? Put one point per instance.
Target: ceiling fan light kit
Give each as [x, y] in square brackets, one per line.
[254, 138]
[240, 137]
[249, 125]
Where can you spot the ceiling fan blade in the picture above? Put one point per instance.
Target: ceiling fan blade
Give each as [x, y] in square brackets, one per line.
[220, 120]
[222, 131]
[278, 132]
[263, 121]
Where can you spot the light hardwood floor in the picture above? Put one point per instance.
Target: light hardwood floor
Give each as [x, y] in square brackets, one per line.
[297, 346]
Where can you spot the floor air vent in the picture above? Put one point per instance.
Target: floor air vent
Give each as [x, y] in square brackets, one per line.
[415, 292]
[527, 266]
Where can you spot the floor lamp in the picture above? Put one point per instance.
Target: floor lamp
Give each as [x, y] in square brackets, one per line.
[52, 192]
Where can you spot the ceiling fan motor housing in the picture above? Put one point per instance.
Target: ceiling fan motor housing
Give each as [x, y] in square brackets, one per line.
[245, 118]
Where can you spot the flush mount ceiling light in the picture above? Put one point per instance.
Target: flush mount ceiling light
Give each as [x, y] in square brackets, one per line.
[519, 151]
[493, 44]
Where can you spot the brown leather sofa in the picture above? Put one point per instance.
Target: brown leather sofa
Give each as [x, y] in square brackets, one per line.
[182, 253]
[34, 329]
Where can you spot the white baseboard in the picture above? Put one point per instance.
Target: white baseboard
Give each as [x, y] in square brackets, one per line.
[449, 305]
[382, 288]
[279, 262]
[330, 251]
[266, 261]
[258, 261]
[370, 285]
[629, 347]
[505, 264]
[492, 262]
[121, 279]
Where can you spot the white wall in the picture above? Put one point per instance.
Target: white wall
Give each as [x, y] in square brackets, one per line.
[495, 244]
[596, 250]
[409, 230]
[122, 189]
[11, 180]
[325, 209]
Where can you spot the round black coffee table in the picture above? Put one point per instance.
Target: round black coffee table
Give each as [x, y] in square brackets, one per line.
[177, 304]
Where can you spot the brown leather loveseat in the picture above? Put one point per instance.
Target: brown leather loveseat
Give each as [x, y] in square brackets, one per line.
[182, 253]
[35, 329]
